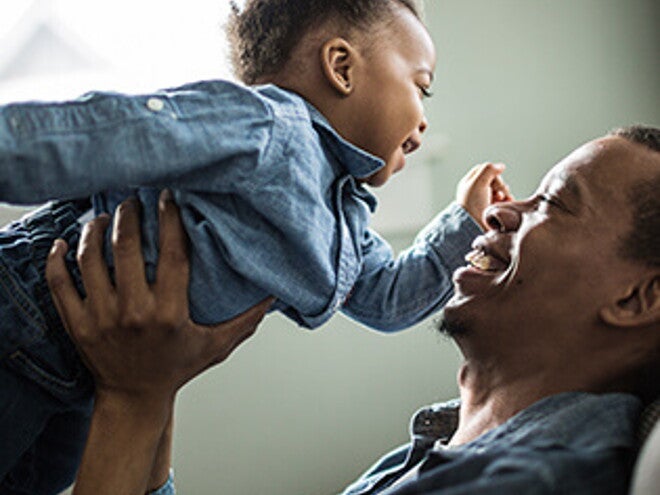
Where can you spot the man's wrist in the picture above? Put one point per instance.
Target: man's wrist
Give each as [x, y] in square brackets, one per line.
[123, 443]
[154, 410]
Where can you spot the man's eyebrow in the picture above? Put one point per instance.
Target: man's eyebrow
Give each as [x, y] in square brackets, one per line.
[573, 191]
[573, 187]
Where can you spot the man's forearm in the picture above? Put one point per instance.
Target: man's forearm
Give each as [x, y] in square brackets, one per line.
[127, 445]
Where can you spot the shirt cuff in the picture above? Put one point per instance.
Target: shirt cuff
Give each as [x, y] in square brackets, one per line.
[167, 488]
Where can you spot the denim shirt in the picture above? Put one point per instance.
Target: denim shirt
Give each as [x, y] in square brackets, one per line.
[269, 195]
[570, 443]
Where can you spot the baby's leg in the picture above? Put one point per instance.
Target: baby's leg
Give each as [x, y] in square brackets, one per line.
[45, 392]
[42, 438]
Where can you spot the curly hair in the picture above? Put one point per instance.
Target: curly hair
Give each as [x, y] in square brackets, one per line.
[643, 242]
[263, 34]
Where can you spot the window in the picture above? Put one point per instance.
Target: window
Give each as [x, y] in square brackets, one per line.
[54, 49]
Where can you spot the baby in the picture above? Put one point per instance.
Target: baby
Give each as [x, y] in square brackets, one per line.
[270, 178]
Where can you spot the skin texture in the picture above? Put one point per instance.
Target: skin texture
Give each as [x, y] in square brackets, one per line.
[559, 309]
[139, 344]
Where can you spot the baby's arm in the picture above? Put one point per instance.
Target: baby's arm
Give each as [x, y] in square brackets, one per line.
[394, 293]
[76, 148]
[113, 141]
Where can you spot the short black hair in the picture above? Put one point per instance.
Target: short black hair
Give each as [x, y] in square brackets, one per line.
[263, 34]
[641, 134]
[643, 242]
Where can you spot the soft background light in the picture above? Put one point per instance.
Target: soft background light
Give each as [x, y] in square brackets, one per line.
[518, 81]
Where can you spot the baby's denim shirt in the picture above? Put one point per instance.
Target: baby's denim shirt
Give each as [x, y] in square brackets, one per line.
[269, 194]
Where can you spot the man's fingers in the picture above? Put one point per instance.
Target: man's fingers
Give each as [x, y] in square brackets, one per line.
[173, 265]
[230, 334]
[92, 266]
[130, 278]
[67, 301]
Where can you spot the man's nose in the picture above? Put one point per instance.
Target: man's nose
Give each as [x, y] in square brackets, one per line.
[502, 217]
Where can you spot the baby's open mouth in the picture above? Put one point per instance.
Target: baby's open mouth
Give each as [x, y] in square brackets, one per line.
[410, 145]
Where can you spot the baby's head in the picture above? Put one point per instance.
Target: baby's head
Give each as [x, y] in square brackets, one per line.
[365, 65]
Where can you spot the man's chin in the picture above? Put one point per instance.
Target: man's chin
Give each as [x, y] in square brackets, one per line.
[450, 325]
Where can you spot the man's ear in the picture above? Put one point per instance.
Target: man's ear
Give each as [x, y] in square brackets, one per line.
[639, 306]
[338, 59]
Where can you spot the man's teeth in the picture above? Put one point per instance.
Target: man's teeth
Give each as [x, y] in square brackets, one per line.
[480, 260]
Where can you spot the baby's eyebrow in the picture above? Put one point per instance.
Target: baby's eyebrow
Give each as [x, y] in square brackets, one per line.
[424, 70]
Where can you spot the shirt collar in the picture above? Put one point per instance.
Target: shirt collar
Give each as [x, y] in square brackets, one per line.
[438, 422]
[357, 162]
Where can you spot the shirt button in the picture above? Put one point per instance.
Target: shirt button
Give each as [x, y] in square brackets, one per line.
[155, 104]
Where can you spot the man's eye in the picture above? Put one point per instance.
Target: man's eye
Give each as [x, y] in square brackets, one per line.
[544, 198]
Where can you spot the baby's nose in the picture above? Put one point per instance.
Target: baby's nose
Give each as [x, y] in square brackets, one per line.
[423, 125]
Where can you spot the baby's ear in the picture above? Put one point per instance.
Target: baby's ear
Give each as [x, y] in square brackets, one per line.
[338, 59]
[639, 305]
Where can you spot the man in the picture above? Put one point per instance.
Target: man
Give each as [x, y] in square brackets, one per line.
[557, 316]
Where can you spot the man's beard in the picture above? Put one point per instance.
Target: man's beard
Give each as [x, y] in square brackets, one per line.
[451, 327]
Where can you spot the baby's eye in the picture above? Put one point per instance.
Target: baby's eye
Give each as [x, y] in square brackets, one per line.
[426, 92]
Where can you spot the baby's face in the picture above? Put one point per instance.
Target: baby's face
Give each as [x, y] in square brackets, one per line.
[397, 75]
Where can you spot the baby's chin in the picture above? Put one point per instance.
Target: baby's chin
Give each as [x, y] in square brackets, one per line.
[379, 178]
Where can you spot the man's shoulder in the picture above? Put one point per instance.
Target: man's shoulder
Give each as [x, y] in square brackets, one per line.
[577, 420]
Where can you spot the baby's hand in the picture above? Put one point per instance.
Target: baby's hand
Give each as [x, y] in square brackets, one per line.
[481, 187]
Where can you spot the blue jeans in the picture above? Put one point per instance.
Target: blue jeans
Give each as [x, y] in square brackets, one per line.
[45, 391]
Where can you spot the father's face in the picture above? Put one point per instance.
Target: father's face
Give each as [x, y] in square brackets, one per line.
[549, 263]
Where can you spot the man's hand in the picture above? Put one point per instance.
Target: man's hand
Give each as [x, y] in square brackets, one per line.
[134, 337]
[139, 343]
[481, 187]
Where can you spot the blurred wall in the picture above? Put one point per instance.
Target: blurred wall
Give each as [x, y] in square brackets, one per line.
[519, 81]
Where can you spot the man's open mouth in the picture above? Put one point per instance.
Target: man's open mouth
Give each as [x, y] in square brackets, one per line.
[486, 260]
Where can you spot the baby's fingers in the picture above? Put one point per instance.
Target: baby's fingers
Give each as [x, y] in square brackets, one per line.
[500, 190]
[487, 173]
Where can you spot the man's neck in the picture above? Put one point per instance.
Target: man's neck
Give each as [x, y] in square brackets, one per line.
[490, 397]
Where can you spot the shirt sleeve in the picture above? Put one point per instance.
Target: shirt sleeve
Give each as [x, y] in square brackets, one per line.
[107, 141]
[393, 293]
